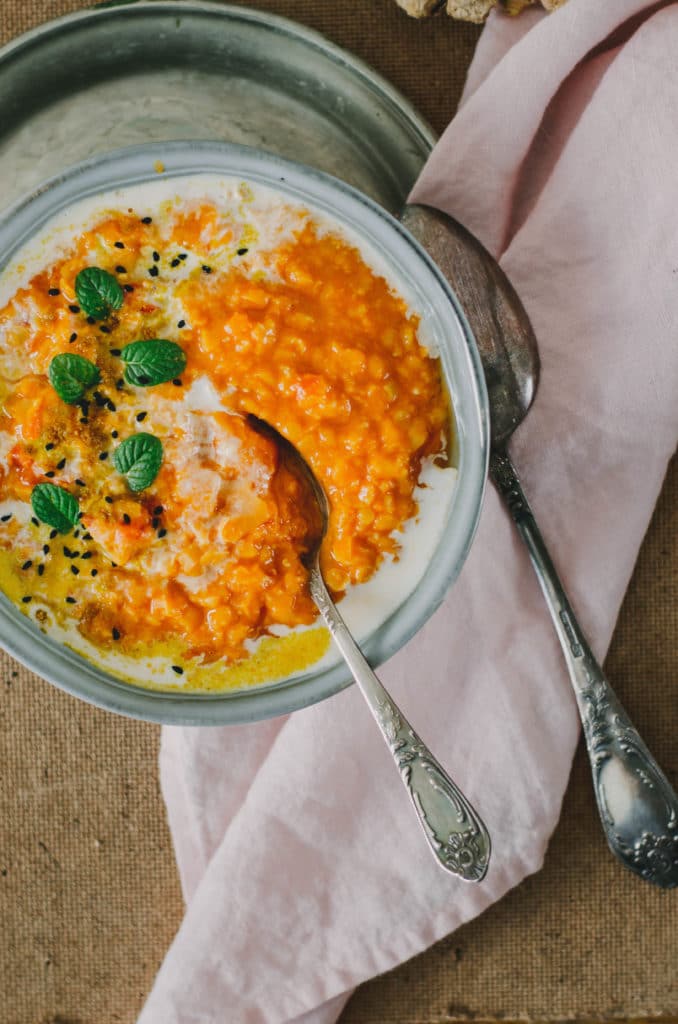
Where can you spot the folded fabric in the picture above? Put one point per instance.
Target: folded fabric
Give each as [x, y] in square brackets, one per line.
[303, 868]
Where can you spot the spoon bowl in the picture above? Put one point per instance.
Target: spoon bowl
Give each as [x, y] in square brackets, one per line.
[500, 326]
[317, 508]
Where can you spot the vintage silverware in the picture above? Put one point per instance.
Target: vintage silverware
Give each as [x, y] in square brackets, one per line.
[455, 832]
[637, 805]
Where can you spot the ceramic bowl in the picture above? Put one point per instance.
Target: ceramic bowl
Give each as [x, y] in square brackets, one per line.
[407, 262]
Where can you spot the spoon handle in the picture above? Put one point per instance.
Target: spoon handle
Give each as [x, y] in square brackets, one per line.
[454, 831]
[637, 805]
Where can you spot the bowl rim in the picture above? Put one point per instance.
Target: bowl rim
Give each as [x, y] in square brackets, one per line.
[73, 673]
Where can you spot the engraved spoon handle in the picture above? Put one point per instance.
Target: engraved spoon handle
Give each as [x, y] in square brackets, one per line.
[638, 807]
[456, 834]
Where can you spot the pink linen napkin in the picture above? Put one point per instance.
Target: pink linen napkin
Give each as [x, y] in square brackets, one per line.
[303, 868]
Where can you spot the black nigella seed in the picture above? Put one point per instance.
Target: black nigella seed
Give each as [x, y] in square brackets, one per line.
[99, 399]
[206, 269]
[67, 551]
[126, 519]
[74, 309]
[155, 523]
[175, 263]
[104, 329]
[86, 555]
[111, 406]
[53, 534]
[146, 220]
[75, 554]
[41, 569]
[156, 257]
[76, 533]
[241, 252]
[45, 549]
[183, 256]
[141, 416]
[119, 245]
[153, 271]
[119, 384]
[54, 291]
[177, 382]
[91, 320]
[128, 287]
[70, 600]
[114, 433]
[108, 499]
[162, 533]
[103, 456]
[115, 351]
[34, 521]
[61, 463]
[114, 564]
[75, 570]
[158, 510]
[49, 446]
[120, 269]
[6, 518]
[50, 474]
[178, 669]
[72, 338]
[27, 564]
[80, 483]
[94, 572]
[87, 536]
[182, 323]
[26, 599]
[115, 633]
[83, 419]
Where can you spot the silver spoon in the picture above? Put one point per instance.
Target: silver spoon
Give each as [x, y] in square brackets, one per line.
[455, 832]
[638, 807]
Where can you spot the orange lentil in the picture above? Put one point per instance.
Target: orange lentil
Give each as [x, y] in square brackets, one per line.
[321, 347]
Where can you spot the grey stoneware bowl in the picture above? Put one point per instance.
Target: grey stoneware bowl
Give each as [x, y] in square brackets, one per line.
[407, 262]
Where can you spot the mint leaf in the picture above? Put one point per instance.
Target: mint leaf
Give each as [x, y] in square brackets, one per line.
[98, 292]
[138, 458]
[70, 375]
[55, 506]
[152, 362]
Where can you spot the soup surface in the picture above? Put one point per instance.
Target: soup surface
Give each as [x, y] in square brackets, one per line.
[143, 520]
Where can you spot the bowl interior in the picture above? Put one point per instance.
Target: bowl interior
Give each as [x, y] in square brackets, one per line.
[410, 268]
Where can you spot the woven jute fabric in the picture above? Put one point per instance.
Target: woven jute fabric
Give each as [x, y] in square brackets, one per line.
[89, 897]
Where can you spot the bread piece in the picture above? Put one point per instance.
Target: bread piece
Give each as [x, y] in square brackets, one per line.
[471, 10]
[420, 8]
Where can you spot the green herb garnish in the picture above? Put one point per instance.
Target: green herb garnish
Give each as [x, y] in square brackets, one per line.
[138, 458]
[152, 362]
[98, 292]
[55, 506]
[71, 375]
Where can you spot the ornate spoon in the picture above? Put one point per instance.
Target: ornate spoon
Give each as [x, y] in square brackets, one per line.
[455, 832]
[638, 807]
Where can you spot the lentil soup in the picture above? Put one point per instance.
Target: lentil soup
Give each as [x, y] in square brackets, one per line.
[143, 522]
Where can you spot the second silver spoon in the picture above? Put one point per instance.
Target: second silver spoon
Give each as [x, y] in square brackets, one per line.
[637, 804]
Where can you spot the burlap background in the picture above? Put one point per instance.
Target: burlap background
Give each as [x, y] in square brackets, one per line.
[89, 897]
